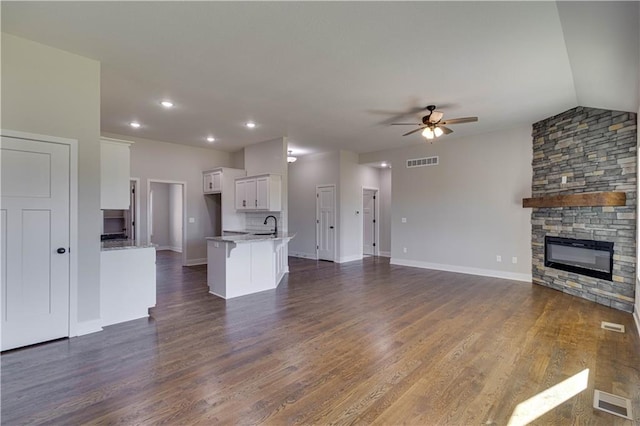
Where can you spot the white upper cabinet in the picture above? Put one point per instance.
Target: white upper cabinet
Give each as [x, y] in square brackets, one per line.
[263, 192]
[212, 182]
[115, 174]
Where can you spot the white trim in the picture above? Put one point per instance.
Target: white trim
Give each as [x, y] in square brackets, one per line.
[196, 262]
[302, 255]
[73, 216]
[349, 258]
[636, 316]
[462, 269]
[385, 254]
[158, 248]
[137, 210]
[88, 327]
[184, 215]
[175, 249]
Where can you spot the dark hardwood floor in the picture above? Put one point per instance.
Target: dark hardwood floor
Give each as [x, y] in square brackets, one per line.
[363, 342]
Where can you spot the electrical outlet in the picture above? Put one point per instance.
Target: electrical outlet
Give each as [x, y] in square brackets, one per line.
[514, 259]
[564, 180]
[404, 220]
[498, 258]
[192, 220]
[404, 250]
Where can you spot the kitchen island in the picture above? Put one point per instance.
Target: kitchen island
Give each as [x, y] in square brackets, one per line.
[246, 263]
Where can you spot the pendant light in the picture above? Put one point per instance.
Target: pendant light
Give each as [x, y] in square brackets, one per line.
[291, 158]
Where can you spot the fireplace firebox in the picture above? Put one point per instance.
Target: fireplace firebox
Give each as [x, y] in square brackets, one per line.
[586, 257]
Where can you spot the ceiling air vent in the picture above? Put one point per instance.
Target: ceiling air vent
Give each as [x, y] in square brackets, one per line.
[423, 162]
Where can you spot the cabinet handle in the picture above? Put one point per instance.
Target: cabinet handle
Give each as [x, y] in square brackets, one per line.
[256, 203]
[210, 185]
[244, 203]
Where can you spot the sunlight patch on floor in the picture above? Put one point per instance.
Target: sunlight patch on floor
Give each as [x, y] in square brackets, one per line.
[547, 400]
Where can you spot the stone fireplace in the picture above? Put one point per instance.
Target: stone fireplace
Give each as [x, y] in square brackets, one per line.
[586, 150]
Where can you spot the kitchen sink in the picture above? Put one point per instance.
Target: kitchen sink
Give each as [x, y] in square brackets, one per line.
[263, 233]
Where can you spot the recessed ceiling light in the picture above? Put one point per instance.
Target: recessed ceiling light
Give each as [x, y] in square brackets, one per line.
[134, 124]
[211, 139]
[384, 164]
[250, 124]
[166, 104]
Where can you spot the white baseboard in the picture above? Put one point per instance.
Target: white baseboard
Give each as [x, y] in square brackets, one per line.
[158, 248]
[175, 249]
[384, 254]
[88, 327]
[303, 255]
[349, 258]
[196, 262]
[463, 269]
[636, 316]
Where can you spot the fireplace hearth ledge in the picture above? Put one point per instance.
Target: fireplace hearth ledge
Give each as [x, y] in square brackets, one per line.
[583, 199]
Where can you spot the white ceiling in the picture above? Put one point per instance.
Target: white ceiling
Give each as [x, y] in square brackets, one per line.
[321, 72]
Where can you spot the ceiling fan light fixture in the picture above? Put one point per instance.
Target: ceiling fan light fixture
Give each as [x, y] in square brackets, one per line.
[438, 132]
[291, 158]
[428, 133]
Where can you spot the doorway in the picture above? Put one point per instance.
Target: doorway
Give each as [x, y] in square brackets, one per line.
[38, 230]
[166, 214]
[370, 221]
[325, 222]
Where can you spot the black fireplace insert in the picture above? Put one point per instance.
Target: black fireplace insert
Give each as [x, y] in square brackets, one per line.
[585, 257]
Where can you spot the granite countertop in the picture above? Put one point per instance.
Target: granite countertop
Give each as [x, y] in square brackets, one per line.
[123, 245]
[250, 237]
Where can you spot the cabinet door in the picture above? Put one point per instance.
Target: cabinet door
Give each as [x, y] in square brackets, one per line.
[216, 181]
[241, 198]
[114, 175]
[252, 201]
[262, 193]
[207, 182]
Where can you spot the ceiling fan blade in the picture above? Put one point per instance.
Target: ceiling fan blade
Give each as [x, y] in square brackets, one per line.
[446, 130]
[460, 120]
[436, 116]
[399, 115]
[416, 130]
[406, 124]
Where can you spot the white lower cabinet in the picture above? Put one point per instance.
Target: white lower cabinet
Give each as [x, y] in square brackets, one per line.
[127, 284]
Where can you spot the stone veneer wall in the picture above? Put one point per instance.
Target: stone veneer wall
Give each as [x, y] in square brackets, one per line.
[596, 150]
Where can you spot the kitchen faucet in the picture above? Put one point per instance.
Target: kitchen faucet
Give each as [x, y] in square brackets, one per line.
[275, 230]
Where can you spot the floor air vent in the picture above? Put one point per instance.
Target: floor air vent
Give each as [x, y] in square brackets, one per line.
[612, 404]
[423, 162]
[613, 326]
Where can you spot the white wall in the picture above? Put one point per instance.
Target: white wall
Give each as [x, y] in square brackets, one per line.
[174, 162]
[175, 217]
[467, 210]
[160, 234]
[353, 177]
[304, 175]
[270, 157]
[385, 212]
[53, 92]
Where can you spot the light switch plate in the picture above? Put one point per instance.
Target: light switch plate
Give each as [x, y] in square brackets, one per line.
[192, 220]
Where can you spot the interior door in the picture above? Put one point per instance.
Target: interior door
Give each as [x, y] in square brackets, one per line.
[325, 222]
[369, 221]
[34, 241]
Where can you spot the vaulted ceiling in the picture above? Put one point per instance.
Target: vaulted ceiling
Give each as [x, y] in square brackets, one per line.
[327, 74]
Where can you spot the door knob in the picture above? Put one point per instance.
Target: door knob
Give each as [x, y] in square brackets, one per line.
[331, 227]
[61, 250]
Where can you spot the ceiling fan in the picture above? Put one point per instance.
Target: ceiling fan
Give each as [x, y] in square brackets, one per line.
[433, 125]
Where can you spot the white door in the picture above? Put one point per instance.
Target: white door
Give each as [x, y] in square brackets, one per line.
[369, 222]
[325, 222]
[34, 219]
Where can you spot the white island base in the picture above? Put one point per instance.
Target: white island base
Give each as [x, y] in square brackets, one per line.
[245, 266]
